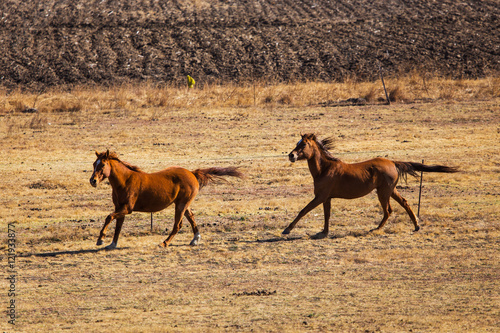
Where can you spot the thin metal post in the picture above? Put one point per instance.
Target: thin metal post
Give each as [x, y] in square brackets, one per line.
[151, 222]
[420, 191]
[383, 83]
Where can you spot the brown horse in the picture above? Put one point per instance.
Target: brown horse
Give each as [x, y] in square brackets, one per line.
[135, 190]
[336, 179]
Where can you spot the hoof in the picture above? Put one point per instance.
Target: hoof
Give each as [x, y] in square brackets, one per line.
[163, 245]
[195, 240]
[417, 228]
[99, 242]
[286, 231]
[111, 246]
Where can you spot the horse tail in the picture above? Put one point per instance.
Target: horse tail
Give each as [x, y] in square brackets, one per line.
[206, 176]
[411, 168]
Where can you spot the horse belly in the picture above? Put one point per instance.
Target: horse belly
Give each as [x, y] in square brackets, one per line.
[351, 188]
[153, 199]
[352, 194]
[150, 207]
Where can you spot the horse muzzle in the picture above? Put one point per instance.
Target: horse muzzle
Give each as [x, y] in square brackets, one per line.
[93, 181]
[292, 157]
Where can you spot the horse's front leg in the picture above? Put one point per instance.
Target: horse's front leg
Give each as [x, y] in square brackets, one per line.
[310, 206]
[327, 205]
[102, 234]
[119, 215]
[118, 228]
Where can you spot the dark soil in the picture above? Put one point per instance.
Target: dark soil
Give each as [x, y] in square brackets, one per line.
[47, 43]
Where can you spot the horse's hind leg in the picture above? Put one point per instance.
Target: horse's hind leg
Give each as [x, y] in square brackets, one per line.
[190, 217]
[179, 213]
[402, 201]
[384, 197]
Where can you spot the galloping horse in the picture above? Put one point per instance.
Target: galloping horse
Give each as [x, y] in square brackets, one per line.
[135, 190]
[336, 179]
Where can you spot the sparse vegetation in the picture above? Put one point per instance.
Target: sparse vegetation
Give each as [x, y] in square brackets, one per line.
[155, 99]
[245, 275]
[80, 76]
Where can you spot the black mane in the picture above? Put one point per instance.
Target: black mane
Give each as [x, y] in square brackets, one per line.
[326, 144]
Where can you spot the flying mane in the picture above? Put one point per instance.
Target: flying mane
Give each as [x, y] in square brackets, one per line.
[325, 145]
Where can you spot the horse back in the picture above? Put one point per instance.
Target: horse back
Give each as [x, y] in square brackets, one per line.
[174, 179]
[379, 171]
[354, 180]
[160, 189]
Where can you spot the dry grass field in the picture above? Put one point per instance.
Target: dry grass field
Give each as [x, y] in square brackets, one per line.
[245, 276]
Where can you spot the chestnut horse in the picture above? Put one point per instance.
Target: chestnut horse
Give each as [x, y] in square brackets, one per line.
[336, 179]
[135, 190]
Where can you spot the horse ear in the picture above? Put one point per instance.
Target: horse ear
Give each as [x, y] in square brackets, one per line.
[96, 153]
[107, 153]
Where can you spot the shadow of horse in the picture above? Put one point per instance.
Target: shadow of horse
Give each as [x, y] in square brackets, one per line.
[269, 240]
[277, 239]
[58, 253]
[354, 234]
[315, 236]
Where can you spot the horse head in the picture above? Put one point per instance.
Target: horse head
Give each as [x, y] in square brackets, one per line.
[304, 148]
[102, 168]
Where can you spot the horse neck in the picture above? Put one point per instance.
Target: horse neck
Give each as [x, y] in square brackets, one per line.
[119, 174]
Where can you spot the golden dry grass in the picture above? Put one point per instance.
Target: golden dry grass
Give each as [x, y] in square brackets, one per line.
[154, 100]
[244, 276]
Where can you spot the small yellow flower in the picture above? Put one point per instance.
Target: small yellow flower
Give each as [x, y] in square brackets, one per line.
[191, 82]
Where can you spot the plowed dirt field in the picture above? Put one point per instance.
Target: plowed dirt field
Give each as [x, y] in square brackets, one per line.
[46, 43]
